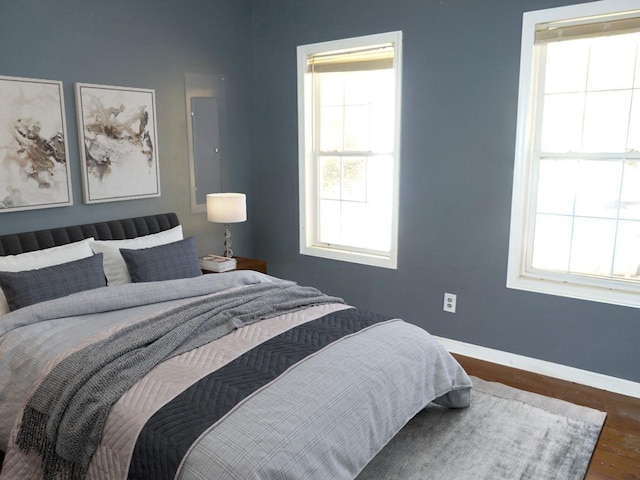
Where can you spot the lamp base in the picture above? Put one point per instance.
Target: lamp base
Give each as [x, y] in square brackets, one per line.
[227, 241]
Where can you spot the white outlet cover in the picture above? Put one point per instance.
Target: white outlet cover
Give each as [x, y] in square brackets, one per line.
[449, 304]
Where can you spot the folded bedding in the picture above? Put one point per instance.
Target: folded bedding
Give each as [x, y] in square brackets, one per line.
[236, 376]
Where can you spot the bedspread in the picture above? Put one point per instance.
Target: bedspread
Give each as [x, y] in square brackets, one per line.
[324, 416]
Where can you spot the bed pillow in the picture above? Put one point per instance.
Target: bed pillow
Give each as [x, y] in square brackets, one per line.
[34, 286]
[164, 262]
[42, 258]
[114, 267]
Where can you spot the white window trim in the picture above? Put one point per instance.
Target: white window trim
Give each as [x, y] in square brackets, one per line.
[308, 194]
[566, 285]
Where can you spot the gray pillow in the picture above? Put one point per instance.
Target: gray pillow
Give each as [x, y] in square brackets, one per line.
[34, 286]
[164, 262]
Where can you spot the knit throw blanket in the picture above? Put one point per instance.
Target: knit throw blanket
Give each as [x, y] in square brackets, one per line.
[63, 419]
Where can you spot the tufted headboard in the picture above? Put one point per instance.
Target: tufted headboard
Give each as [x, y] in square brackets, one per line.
[16, 243]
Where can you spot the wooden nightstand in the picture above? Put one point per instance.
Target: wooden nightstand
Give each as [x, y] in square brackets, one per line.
[245, 263]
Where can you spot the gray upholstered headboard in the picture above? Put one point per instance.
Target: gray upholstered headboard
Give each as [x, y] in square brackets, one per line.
[16, 243]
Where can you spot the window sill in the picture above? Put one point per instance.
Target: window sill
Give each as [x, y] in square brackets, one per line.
[600, 294]
[352, 257]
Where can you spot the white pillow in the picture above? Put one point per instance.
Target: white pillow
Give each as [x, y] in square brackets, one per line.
[43, 258]
[114, 267]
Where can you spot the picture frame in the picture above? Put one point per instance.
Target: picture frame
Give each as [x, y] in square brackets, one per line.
[118, 142]
[34, 166]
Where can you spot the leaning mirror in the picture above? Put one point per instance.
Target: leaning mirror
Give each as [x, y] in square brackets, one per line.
[205, 102]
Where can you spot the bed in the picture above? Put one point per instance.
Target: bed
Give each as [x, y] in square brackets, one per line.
[120, 360]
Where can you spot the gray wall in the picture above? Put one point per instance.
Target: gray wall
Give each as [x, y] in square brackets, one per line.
[460, 86]
[144, 44]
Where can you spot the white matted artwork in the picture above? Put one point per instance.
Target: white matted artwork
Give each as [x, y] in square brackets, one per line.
[118, 142]
[34, 168]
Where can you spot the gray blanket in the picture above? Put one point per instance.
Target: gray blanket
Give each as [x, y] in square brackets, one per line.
[76, 396]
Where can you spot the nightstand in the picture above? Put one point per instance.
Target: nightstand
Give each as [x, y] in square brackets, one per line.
[245, 263]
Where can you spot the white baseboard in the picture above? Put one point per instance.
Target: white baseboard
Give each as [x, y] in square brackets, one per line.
[542, 367]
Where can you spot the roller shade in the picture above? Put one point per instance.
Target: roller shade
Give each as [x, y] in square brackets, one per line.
[588, 27]
[373, 58]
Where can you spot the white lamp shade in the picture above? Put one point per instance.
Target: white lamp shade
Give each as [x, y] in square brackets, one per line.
[226, 207]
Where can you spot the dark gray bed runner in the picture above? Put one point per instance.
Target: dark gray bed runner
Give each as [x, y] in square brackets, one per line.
[63, 419]
[168, 434]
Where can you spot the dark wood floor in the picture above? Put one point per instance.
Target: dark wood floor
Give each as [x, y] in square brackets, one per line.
[617, 454]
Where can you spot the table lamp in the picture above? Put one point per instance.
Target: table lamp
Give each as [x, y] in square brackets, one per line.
[227, 208]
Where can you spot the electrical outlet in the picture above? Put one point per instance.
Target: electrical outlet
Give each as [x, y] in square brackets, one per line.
[450, 300]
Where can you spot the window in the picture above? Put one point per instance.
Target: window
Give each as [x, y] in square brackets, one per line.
[575, 224]
[349, 124]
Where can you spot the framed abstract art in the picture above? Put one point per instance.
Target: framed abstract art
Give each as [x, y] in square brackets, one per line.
[34, 167]
[118, 143]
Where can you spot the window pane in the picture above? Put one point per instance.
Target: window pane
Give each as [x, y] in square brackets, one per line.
[562, 122]
[630, 196]
[633, 137]
[636, 82]
[354, 179]
[359, 87]
[332, 89]
[552, 243]
[364, 226]
[612, 62]
[379, 234]
[605, 121]
[329, 221]
[357, 128]
[330, 178]
[382, 128]
[331, 129]
[355, 224]
[598, 188]
[556, 186]
[567, 66]
[361, 216]
[592, 246]
[383, 112]
[627, 260]
[380, 181]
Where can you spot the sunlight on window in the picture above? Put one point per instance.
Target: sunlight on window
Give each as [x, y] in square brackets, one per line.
[630, 195]
[567, 64]
[590, 108]
[575, 223]
[606, 120]
[592, 246]
[556, 186]
[354, 179]
[356, 118]
[349, 101]
[611, 62]
[331, 175]
[562, 122]
[357, 128]
[552, 243]
[332, 128]
[598, 188]
[633, 137]
[627, 258]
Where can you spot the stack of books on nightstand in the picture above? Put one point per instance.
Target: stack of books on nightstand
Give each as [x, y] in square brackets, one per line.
[216, 263]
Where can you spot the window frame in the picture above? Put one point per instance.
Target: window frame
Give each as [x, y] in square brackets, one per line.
[526, 165]
[308, 175]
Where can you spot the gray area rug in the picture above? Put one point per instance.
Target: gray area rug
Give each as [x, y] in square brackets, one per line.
[505, 434]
